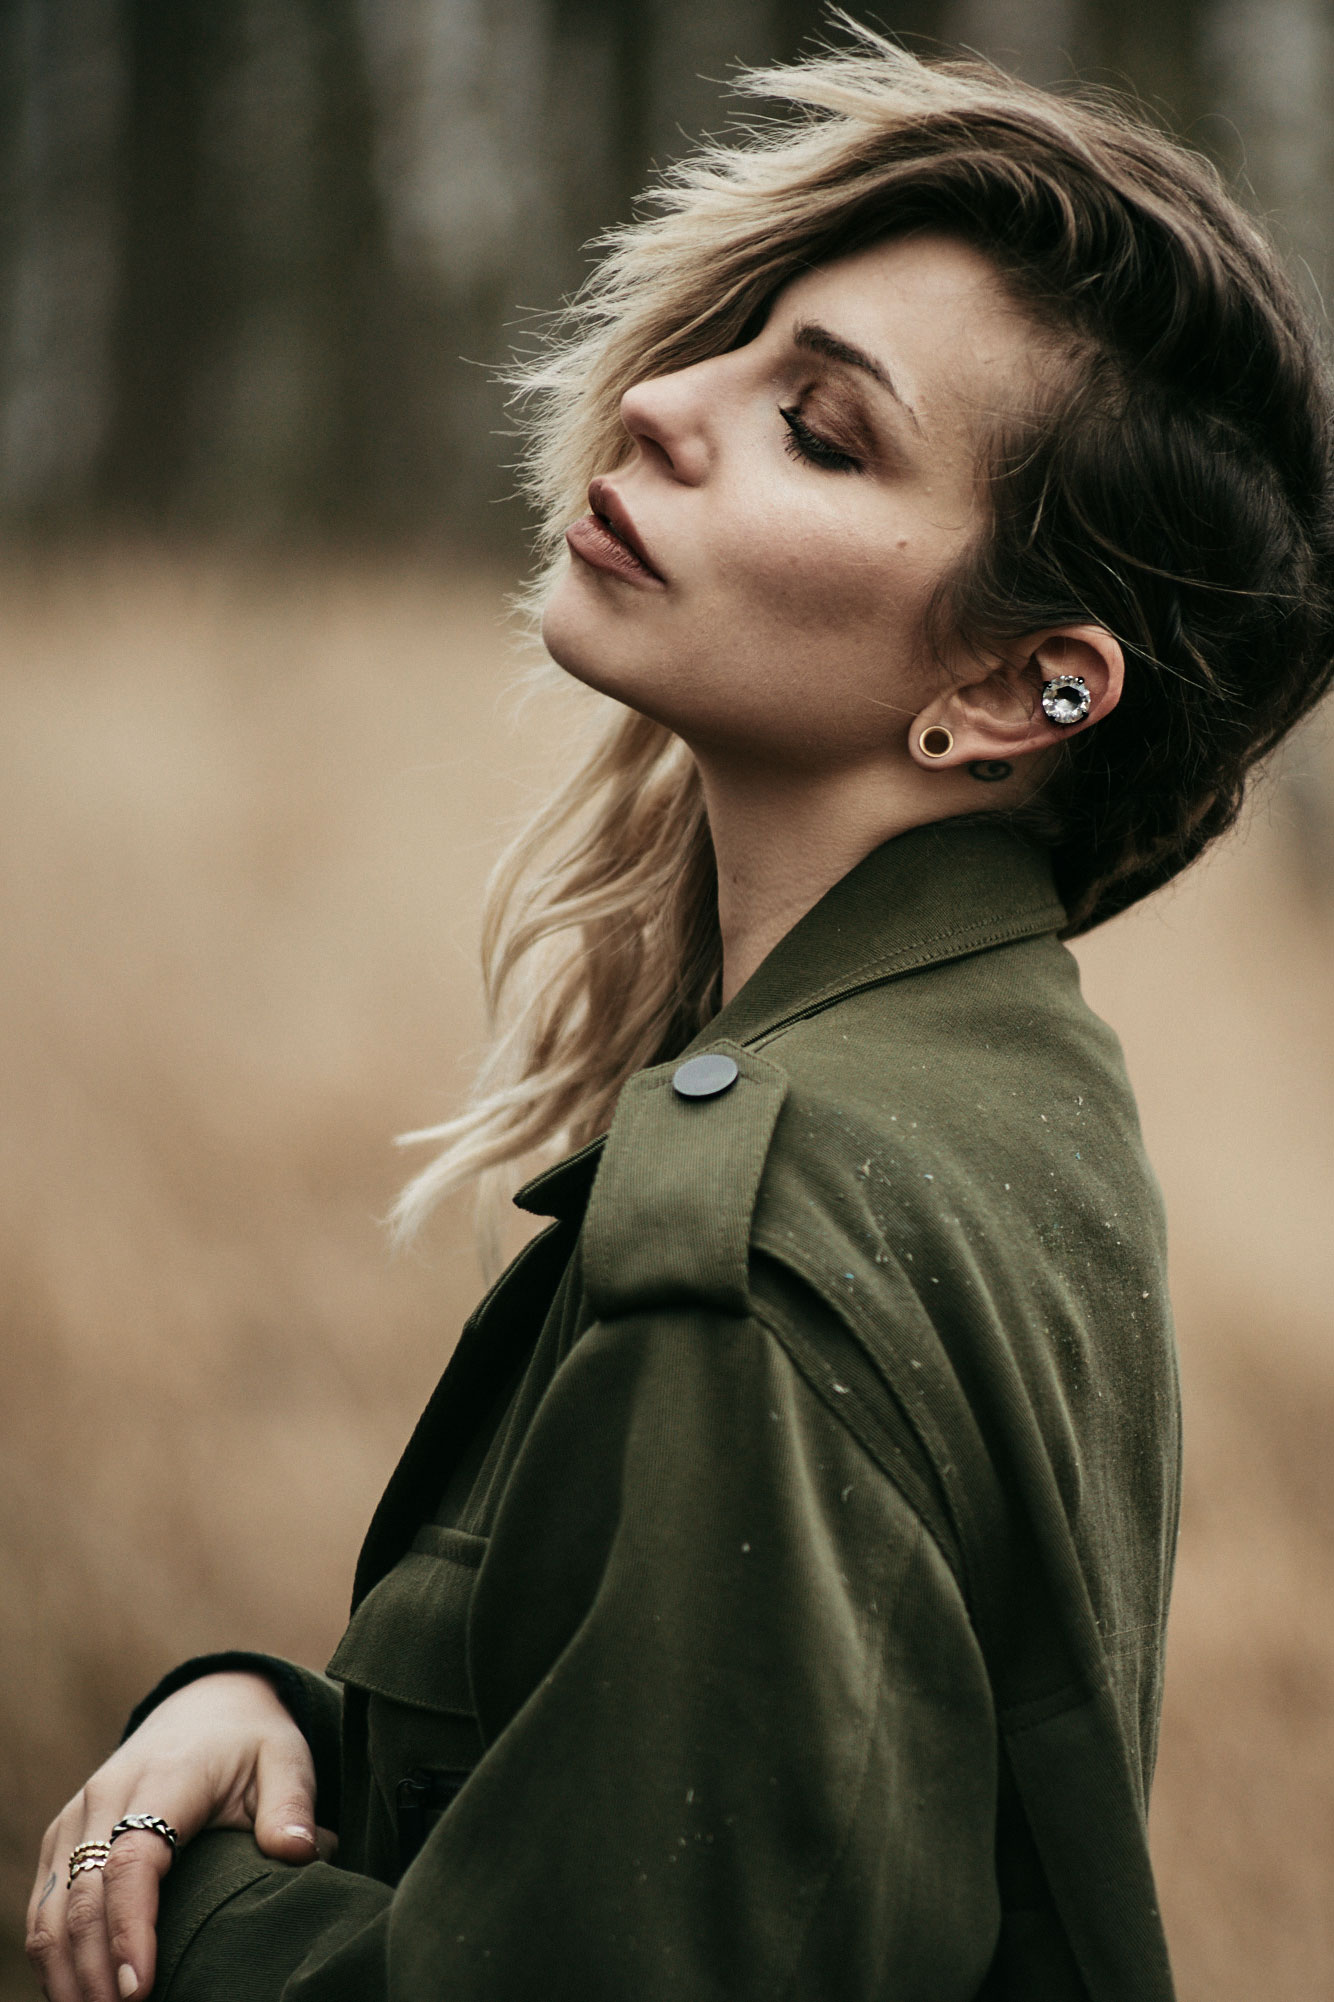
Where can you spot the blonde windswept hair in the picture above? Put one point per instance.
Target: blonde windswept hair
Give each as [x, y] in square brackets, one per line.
[600, 942]
[601, 950]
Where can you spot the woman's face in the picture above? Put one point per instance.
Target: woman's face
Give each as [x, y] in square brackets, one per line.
[793, 504]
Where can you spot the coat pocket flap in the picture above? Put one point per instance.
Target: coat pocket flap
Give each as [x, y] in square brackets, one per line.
[408, 1639]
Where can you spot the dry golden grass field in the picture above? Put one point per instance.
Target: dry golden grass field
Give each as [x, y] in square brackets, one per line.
[245, 817]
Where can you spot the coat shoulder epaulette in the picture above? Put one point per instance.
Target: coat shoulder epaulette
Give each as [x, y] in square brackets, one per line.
[669, 1217]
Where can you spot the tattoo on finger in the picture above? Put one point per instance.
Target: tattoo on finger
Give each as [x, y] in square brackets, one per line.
[47, 1889]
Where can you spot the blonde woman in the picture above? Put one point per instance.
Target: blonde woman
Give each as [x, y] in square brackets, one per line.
[771, 1600]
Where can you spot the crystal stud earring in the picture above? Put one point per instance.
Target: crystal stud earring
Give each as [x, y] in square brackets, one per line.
[1066, 700]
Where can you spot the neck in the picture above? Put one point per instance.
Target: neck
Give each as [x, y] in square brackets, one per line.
[780, 845]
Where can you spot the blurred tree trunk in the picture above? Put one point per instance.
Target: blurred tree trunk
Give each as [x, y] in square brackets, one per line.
[250, 269]
[510, 134]
[60, 96]
[166, 315]
[258, 261]
[1268, 70]
[1150, 49]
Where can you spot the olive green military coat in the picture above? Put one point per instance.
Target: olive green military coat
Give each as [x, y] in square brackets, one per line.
[770, 1602]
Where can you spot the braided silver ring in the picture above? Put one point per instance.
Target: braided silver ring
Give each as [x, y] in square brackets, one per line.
[152, 1824]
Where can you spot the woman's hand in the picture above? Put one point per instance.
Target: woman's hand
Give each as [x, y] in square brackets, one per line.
[221, 1753]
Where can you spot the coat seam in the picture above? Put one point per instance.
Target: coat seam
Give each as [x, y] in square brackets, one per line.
[873, 1711]
[255, 1873]
[864, 1435]
[937, 1458]
[917, 958]
[1044, 1703]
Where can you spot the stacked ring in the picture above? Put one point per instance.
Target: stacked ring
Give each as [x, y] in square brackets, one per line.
[153, 1824]
[87, 1856]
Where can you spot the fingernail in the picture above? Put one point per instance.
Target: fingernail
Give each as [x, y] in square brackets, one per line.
[127, 1980]
[302, 1834]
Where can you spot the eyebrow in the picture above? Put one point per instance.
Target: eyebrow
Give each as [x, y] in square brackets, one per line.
[818, 340]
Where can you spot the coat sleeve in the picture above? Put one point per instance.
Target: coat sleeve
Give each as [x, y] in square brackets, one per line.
[739, 1739]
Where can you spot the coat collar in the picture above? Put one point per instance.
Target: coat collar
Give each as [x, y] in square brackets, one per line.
[933, 894]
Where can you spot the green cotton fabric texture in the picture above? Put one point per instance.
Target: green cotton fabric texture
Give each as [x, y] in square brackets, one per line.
[770, 1602]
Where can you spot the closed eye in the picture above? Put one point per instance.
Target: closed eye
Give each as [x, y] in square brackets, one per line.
[803, 443]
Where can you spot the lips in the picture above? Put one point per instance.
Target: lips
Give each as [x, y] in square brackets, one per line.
[607, 537]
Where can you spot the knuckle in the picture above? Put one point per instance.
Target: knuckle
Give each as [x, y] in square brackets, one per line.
[122, 1862]
[83, 1920]
[121, 1936]
[123, 1945]
[40, 1942]
[70, 1816]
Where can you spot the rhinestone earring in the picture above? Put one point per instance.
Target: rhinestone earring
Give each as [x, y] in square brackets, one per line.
[1066, 699]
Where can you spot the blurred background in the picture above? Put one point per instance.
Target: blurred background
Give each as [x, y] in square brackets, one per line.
[259, 745]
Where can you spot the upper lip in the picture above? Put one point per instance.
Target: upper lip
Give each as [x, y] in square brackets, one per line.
[607, 504]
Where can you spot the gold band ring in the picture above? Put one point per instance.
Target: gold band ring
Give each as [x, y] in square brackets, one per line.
[82, 1849]
[87, 1856]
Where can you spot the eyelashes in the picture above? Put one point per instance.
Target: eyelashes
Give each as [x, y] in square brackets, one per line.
[807, 445]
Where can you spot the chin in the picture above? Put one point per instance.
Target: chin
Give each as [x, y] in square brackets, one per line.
[586, 644]
[615, 656]
[563, 629]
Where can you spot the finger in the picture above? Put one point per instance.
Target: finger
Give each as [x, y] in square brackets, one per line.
[45, 1871]
[46, 1944]
[47, 1941]
[134, 1870]
[45, 1886]
[326, 1842]
[285, 1801]
[86, 1932]
[56, 1845]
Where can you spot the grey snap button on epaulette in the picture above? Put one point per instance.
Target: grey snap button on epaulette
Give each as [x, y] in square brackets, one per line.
[704, 1077]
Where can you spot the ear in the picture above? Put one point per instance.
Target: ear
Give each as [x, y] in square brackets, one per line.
[1000, 716]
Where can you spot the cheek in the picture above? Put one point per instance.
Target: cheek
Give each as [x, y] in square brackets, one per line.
[833, 585]
[829, 614]
[795, 630]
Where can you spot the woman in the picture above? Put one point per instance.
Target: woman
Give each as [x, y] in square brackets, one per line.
[771, 1599]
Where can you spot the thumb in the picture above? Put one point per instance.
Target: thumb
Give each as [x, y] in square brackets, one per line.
[285, 1802]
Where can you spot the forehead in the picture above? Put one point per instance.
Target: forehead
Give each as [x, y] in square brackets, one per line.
[931, 308]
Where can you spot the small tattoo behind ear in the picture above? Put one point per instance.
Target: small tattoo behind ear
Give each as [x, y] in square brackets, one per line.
[991, 770]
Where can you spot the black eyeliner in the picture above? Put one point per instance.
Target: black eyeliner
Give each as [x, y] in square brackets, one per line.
[803, 443]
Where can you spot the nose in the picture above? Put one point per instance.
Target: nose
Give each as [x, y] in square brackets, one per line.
[668, 418]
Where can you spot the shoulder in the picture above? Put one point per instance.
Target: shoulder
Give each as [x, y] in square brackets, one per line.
[671, 1269]
[980, 1096]
[951, 1162]
[682, 1256]
[669, 1217]
[978, 1109]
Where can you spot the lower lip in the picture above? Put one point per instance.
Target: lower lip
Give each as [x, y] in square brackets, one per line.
[591, 539]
